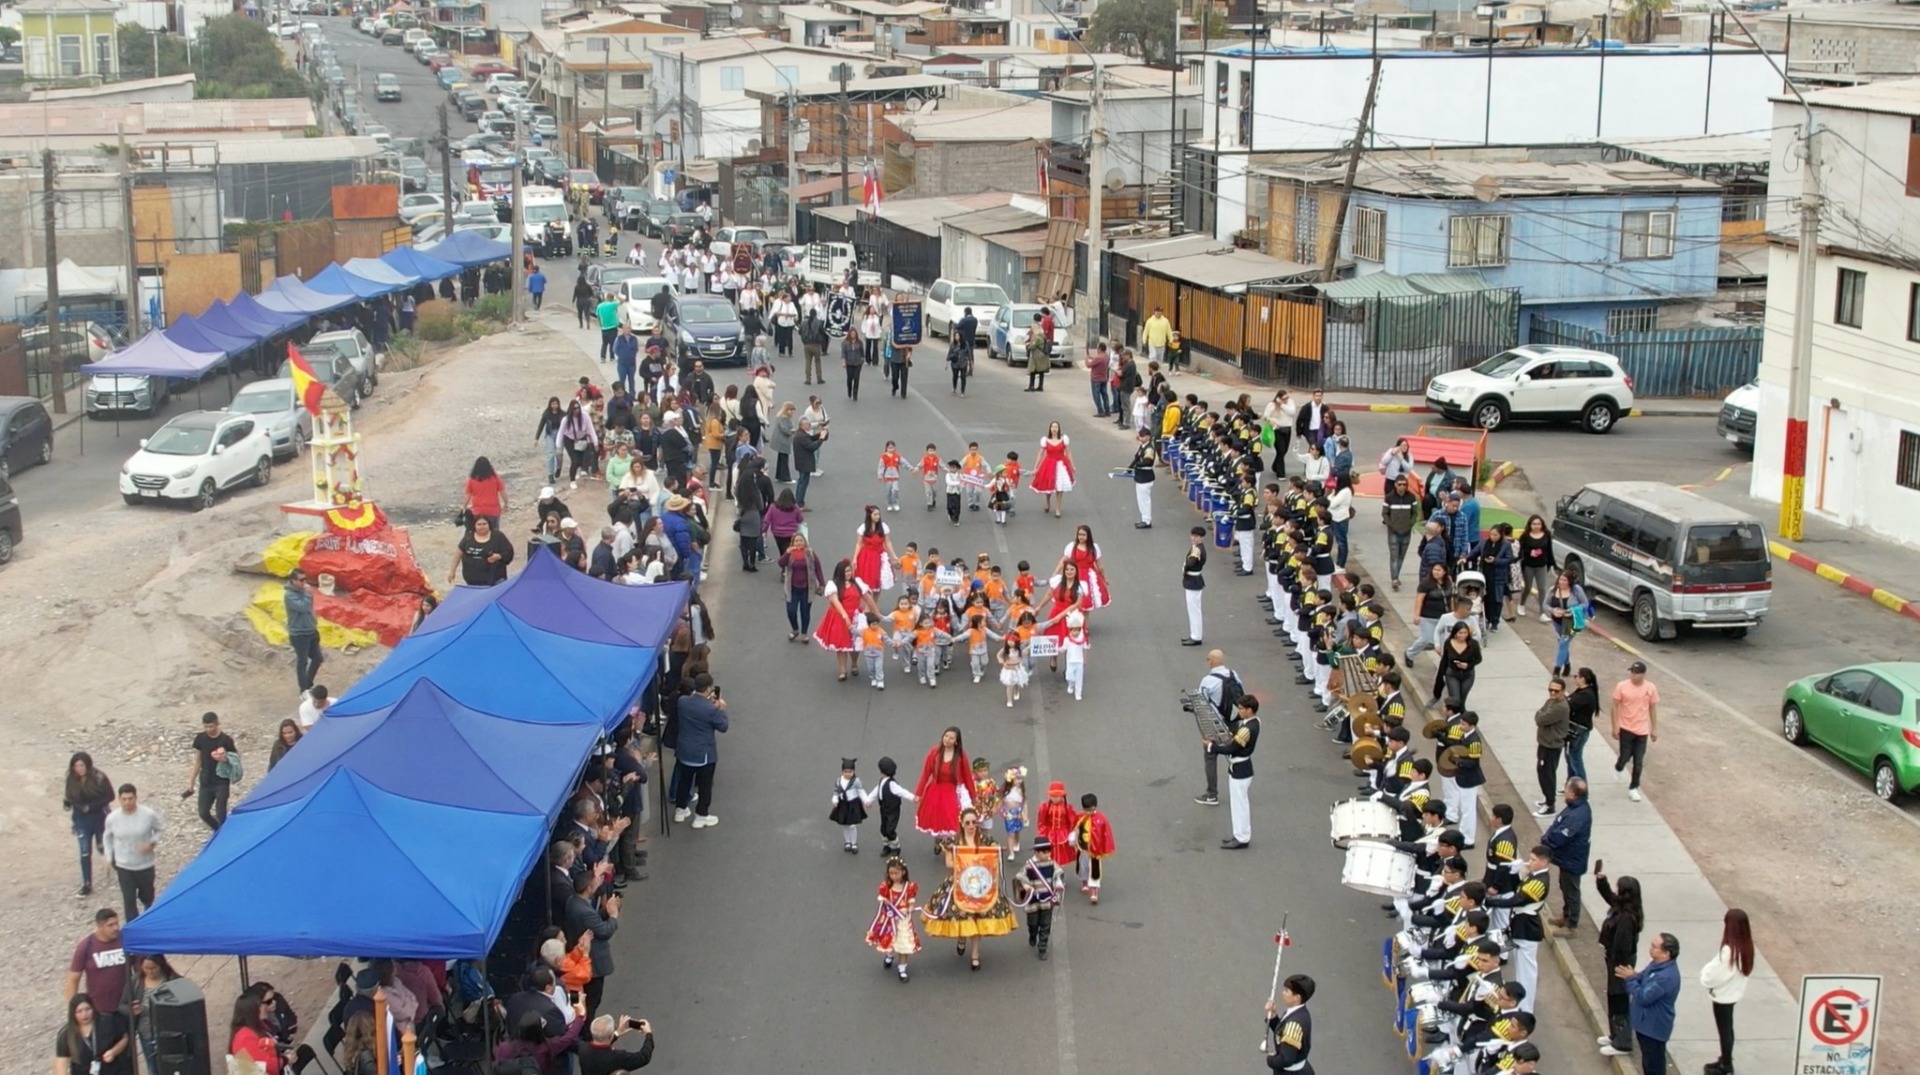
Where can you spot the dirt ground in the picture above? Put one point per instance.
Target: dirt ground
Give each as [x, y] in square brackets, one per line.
[1823, 868]
[116, 643]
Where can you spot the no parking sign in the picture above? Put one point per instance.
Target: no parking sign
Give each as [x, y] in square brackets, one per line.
[1838, 1017]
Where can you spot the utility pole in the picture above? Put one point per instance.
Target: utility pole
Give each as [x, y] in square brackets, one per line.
[681, 142]
[515, 281]
[846, 175]
[57, 361]
[446, 166]
[1096, 210]
[133, 243]
[1332, 265]
[793, 166]
[1793, 472]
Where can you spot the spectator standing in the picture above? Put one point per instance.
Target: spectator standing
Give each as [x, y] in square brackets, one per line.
[1397, 462]
[1619, 941]
[1279, 415]
[1551, 725]
[583, 301]
[1099, 369]
[250, 1037]
[597, 1055]
[1570, 838]
[1340, 510]
[153, 972]
[1654, 989]
[702, 716]
[87, 796]
[482, 556]
[1565, 606]
[1154, 335]
[807, 442]
[1039, 354]
[537, 286]
[1126, 382]
[853, 357]
[601, 919]
[94, 1040]
[99, 964]
[1635, 716]
[800, 570]
[1459, 532]
[1583, 704]
[608, 311]
[1537, 567]
[1725, 980]
[210, 749]
[284, 741]
[303, 630]
[1398, 510]
[1314, 420]
[486, 492]
[132, 833]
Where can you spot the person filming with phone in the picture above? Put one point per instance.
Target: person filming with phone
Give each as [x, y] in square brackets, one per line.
[600, 1055]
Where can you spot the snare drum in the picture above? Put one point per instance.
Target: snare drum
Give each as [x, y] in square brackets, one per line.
[1379, 868]
[1362, 819]
[1425, 994]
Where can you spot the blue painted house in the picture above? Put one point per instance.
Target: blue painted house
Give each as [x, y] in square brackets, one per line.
[1602, 245]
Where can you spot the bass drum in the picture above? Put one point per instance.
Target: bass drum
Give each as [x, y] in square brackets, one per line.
[1379, 868]
[1357, 819]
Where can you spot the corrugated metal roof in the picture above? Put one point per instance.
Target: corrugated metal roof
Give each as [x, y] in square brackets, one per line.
[1229, 268]
[1023, 122]
[1421, 177]
[994, 221]
[1162, 247]
[1705, 150]
[1385, 285]
[919, 214]
[297, 150]
[1029, 243]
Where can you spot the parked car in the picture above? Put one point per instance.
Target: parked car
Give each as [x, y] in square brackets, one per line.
[355, 346]
[393, 37]
[678, 229]
[279, 412]
[196, 457]
[79, 344]
[1739, 414]
[484, 68]
[11, 532]
[337, 371]
[947, 299]
[108, 393]
[732, 235]
[478, 211]
[657, 215]
[1007, 336]
[498, 232]
[1537, 384]
[1867, 716]
[472, 106]
[386, 86]
[636, 300]
[544, 126]
[584, 179]
[448, 77]
[440, 61]
[1667, 556]
[707, 329]
[415, 206]
[26, 434]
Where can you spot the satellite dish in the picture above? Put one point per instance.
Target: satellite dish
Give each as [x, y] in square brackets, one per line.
[905, 149]
[1487, 188]
[1116, 179]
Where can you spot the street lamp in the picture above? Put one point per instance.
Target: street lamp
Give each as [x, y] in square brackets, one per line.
[1490, 11]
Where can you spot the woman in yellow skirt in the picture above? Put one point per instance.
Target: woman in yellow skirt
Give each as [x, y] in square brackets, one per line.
[944, 915]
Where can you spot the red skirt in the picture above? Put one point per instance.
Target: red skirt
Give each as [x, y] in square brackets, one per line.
[939, 811]
[834, 632]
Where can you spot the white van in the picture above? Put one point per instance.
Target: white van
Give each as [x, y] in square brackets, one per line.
[546, 225]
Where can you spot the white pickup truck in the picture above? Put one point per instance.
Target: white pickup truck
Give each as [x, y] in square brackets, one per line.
[827, 263]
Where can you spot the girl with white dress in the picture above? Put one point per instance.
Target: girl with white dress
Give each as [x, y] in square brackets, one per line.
[1013, 667]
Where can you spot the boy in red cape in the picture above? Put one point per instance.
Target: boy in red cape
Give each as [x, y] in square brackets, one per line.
[1055, 820]
[1093, 835]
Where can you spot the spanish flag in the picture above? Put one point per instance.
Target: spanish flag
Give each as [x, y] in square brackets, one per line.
[308, 387]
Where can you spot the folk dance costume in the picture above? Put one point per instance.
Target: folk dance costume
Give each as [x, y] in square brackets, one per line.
[835, 632]
[986, 796]
[1037, 890]
[1093, 835]
[1073, 650]
[892, 933]
[943, 792]
[1013, 808]
[946, 915]
[1053, 472]
[849, 807]
[871, 564]
[1292, 1040]
[1092, 579]
[1064, 604]
[890, 464]
[1054, 821]
[1014, 673]
[889, 793]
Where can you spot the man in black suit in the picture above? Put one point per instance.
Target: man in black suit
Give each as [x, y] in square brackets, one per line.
[602, 920]
[537, 999]
[560, 881]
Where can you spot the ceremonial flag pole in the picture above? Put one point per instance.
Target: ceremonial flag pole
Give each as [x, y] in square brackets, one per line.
[1281, 941]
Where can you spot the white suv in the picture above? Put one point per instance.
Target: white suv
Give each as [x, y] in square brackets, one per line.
[195, 457]
[1537, 384]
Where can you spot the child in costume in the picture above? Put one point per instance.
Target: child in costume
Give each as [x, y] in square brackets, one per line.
[1013, 807]
[1000, 497]
[953, 487]
[849, 805]
[900, 626]
[978, 634]
[1073, 650]
[910, 563]
[892, 930]
[930, 476]
[1054, 820]
[890, 464]
[974, 465]
[1093, 835]
[986, 796]
[927, 640]
[1037, 889]
[1013, 667]
[889, 793]
[1011, 470]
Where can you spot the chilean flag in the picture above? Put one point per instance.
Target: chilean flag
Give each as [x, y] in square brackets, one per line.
[870, 189]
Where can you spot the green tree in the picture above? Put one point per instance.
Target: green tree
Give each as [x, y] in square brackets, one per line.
[1142, 28]
[137, 46]
[1643, 18]
[234, 57]
[9, 37]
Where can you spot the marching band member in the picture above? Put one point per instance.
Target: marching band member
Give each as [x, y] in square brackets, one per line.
[1429, 862]
[1487, 1032]
[1502, 874]
[1449, 791]
[1410, 799]
[1292, 1027]
[1454, 942]
[1468, 775]
[1524, 931]
[1396, 766]
[1474, 992]
[1521, 1059]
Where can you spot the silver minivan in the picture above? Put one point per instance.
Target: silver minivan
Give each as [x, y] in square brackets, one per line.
[1666, 556]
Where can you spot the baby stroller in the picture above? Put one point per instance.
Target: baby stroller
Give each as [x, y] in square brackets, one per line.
[1472, 586]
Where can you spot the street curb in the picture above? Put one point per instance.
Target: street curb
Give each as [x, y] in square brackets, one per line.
[1845, 580]
[1413, 408]
[1500, 473]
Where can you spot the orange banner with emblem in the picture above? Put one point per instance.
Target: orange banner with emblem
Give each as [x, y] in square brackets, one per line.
[976, 878]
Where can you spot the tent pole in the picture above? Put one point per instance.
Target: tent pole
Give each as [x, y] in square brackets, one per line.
[546, 856]
[659, 712]
[246, 981]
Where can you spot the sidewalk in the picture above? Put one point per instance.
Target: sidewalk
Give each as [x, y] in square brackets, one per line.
[1633, 838]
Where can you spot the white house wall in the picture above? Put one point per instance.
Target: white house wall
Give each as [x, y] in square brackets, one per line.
[1539, 96]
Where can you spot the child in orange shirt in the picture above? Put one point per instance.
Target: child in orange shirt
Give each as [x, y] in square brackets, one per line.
[1011, 470]
[890, 464]
[974, 466]
[910, 562]
[930, 475]
[873, 652]
[902, 621]
[928, 641]
[977, 634]
[982, 566]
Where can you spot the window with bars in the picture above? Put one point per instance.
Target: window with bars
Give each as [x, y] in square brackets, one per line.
[1477, 242]
[633, 82]
[1632, 319]
[1906, 466]
[1850, 298]
[1646, 235]
[1370, 233]
[1306, 228]
[1913, 313]
[71, 57]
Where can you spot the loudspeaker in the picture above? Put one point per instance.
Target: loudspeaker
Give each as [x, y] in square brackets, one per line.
[180, 1029]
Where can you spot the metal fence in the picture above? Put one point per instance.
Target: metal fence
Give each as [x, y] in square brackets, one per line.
[1692, 363]
[1398, 344]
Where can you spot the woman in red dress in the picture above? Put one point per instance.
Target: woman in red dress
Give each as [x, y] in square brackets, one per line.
[1084, 553]
[1053, 474]
[873, 554]
[846, 599]
[1067, 594]
[943, 789]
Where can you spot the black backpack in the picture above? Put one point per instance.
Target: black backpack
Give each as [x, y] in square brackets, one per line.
[1231, 690]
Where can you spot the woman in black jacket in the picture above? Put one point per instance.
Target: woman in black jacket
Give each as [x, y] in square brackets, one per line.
[1537, 567]
[1459, 656]
[1620, 945]
[547, 433]
[1583, 704]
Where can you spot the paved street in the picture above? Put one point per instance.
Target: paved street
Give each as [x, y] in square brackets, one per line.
[87, 453]
[416, 114]
[745, 948]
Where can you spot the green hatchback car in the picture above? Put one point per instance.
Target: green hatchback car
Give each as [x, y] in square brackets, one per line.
[1867, 715]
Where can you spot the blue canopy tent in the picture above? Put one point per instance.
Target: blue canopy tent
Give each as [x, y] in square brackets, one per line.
[432, 748]
[380, 272]
[194, 335]
[411, 262]
[289, 295]
[552, 597]
[154, 355]
[468, 249]
[247, 311]
[349, 868]
[336, 280]
[497, 663]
